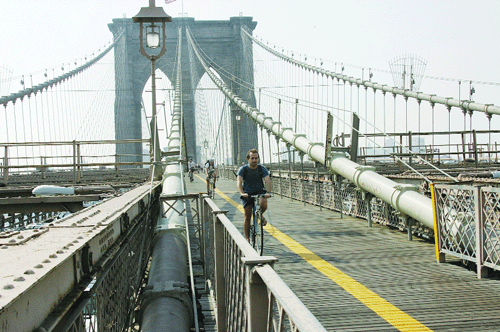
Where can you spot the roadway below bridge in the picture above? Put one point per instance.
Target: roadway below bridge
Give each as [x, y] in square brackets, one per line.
[358, 278]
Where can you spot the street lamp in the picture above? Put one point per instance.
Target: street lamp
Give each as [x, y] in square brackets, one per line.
[155, 37]
[205, 145]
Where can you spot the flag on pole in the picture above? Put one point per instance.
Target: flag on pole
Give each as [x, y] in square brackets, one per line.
[168, 1]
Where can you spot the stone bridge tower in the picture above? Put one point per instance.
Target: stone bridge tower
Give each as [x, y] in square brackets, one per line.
[221, 41]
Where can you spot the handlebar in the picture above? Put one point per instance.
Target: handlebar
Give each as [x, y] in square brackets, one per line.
[261, 195]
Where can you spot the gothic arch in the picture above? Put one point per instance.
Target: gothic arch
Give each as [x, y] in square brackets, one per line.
[220, 40]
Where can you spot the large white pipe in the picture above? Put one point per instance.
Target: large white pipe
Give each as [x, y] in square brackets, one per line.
[168, 306]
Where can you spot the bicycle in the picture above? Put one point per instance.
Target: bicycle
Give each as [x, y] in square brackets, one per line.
[211, 179]
[191, 176]
[256, 227]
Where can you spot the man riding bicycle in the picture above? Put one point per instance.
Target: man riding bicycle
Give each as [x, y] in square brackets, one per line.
[210, 171]
[191, 168]
[250, 181]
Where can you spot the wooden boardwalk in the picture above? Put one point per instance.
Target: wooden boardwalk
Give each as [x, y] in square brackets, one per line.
[356, 278]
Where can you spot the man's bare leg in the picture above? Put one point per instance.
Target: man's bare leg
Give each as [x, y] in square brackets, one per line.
[246, 222]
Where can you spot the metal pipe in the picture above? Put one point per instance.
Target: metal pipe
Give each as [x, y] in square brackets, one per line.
[167, 305]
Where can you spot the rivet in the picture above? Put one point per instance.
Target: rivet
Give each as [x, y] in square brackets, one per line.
[20, 237]
[73, 224]
[9, 286]
[5, 247]
[39, 266]
[69, 245]
[19, 279]
[76, 241]
[47, 260]
[60, 252]
[12, 241]
[53, 256]
[29, 272]
[80, 237]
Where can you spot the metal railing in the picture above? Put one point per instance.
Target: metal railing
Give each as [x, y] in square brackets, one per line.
[109, 301]
[317, 189]
[249, 294]
[467, 224]
[71, 161]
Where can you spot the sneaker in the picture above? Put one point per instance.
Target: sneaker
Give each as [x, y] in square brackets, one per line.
[263, 221]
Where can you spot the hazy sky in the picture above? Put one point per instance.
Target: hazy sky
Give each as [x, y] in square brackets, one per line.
[458, 38]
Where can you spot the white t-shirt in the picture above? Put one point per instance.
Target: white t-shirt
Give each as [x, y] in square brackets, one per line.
[207, 165]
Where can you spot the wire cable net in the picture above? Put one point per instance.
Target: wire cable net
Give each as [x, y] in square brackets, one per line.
[42, 121]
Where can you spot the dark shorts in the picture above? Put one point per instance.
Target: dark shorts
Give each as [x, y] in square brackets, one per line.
[250, 200]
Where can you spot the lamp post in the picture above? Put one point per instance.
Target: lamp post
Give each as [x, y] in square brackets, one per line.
[155, 37]
[205, 145]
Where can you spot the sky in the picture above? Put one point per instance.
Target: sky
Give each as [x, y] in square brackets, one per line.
[459, 39]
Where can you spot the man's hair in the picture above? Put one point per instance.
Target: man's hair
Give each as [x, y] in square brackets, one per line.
[252, 151]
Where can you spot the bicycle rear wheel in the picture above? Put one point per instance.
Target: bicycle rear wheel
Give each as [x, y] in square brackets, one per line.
[212, 189]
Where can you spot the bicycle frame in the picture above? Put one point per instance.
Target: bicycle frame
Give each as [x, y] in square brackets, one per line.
[256, 227]
[211, 180]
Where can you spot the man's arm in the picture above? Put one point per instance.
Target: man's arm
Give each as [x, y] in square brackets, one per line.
[239, 185]
[268, 184]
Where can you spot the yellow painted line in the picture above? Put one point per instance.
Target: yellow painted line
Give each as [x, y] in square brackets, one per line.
[381, 307]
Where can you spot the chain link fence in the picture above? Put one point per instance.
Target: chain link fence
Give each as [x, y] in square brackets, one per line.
[468, 224]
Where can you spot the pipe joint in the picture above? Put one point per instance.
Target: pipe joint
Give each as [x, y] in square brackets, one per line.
[312, 145]
[403, 187]
[168, 288]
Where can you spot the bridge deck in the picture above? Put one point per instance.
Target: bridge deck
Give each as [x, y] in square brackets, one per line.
[356, 278]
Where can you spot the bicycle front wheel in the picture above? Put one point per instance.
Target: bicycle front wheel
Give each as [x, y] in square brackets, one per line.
[259, 235]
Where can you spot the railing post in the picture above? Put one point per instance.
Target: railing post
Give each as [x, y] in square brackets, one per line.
[6, 166]
[220, 284]
[301, 154]
[338, 180]
[318, 187]
[74, 162]
[79, 165]
[289, 170]
[408, 222]
[474, 144]
[256, 293]
[482, 271]
[440, 257]
[368, 199]
[279, 164]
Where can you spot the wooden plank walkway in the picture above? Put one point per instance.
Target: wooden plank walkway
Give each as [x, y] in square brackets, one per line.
[356, 278]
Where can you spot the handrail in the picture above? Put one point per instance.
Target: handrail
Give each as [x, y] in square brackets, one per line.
[247, 290]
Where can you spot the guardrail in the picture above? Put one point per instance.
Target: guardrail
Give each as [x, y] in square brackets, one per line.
[249, 294]
[71, 161]
[467, 224]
